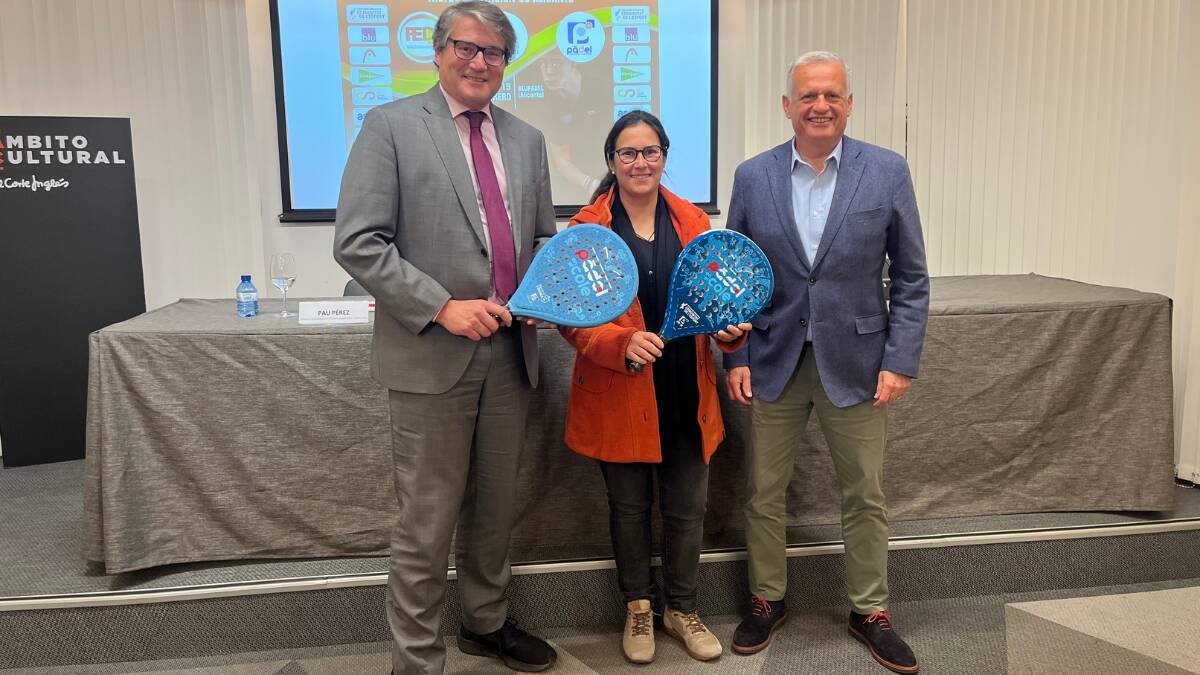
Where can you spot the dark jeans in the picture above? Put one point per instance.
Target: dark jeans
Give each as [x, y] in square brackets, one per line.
[683, 491]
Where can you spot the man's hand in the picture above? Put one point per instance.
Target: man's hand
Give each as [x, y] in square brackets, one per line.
[732, 332]
[891, 387]
[737, 383]
[475, 319]
[644, 348]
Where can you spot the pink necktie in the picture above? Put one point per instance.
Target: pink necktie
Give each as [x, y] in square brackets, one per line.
[504, 262]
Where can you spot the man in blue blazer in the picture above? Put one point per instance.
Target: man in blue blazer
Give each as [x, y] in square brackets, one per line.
[827, 210]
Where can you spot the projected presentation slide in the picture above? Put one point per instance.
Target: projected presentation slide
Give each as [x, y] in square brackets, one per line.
[578, 66]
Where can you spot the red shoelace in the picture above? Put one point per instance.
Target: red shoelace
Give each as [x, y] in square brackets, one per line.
[760, 606]
[884, 619]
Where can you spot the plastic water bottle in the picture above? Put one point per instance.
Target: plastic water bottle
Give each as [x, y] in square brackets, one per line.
[247, 298]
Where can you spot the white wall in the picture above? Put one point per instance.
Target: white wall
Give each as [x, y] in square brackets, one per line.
[1040, 135]
[195, 78]
[178, 70]
[1187, 252]
[1052, 137]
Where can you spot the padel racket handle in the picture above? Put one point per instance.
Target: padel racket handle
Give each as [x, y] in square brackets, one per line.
[635, 367]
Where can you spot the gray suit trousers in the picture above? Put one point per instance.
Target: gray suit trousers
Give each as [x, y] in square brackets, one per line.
[455, 457]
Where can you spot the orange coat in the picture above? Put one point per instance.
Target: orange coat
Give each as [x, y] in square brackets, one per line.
[611, 413]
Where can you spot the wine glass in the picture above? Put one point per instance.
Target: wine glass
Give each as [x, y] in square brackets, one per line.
[283, 275]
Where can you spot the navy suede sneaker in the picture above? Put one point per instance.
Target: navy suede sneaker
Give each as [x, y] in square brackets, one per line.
[875, 631]
[754, 633]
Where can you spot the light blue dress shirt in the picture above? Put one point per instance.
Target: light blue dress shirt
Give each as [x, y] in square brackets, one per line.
[812, 193]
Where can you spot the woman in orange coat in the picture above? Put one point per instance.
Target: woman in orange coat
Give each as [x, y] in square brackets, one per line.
[663, 423]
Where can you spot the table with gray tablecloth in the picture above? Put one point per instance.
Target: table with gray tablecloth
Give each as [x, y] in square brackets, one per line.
[212, 437]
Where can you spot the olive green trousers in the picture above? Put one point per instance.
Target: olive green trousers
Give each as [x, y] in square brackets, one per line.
[856, 437]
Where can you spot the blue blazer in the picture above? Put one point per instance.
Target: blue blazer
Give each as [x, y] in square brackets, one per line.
[840, 294]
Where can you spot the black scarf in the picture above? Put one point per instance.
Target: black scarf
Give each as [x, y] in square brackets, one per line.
[675, 386]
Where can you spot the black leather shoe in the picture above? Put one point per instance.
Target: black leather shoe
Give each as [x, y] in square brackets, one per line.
[516, 648]
[754, 633]
[875, 631]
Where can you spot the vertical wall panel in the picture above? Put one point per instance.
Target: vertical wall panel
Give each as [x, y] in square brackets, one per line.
[1044, 136]
[1031, 139]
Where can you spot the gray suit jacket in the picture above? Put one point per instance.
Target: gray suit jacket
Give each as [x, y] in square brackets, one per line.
[408, 229]
[855, 333]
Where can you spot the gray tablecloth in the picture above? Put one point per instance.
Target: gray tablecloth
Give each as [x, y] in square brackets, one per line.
[212, 437]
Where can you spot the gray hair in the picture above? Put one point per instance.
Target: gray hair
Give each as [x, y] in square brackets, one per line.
[814, 57]
[491, 16]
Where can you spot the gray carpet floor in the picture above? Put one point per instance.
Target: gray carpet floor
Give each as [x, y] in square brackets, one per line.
[41, 526]
[960, 635]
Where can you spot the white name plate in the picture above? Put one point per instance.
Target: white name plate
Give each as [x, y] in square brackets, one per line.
[335, 311]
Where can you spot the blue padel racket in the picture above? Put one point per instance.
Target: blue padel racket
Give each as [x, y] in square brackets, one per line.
[583, 276]
[720, 278]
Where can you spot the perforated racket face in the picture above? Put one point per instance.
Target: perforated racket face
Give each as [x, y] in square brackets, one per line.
[720, 278]
[583, 276]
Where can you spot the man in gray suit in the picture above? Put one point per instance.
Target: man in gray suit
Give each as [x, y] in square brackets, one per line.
[444, 199]
[827, 210]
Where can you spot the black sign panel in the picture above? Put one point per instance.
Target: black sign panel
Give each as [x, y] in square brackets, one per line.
[70, 263]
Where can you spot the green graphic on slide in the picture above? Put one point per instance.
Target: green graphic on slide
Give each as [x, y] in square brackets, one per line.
[627, 73]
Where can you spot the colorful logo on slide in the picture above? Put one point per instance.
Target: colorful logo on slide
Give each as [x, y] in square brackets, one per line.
[622, 110]
[367, 14]
[631, 93]
[367, 35]
[375, 77]
[415, 36]
[370, 96]
[631, 74]
[628, 34]
[632, 14]
[580, 37]
[631, 54]
[370, 56]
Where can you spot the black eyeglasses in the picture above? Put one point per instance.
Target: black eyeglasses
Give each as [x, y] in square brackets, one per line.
[652, 153]
[493, 56]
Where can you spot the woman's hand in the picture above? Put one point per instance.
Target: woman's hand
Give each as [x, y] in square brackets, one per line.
[732, 332]
[644, 348]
